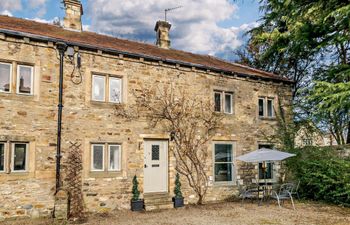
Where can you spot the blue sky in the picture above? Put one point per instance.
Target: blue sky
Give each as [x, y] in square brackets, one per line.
[203, 26]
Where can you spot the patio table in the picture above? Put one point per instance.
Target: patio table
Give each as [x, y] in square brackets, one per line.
[266, 189]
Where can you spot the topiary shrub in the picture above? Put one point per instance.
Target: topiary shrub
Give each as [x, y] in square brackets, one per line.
[135, 189]
[177, 189]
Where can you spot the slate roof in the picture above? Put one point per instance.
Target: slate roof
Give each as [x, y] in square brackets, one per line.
[49, 32]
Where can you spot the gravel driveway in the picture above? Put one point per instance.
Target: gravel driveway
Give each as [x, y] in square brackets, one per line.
[223, 214]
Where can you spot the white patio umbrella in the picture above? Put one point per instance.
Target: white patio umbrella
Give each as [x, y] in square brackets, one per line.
[264, 155]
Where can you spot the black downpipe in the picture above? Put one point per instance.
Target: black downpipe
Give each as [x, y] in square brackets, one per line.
[61, 48]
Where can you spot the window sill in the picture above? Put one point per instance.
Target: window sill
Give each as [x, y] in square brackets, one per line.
[105, 104]
[224, 184]
[14, 96]
[105, 174]
[15, 176]
[224, 113]
[267, 118]
[24, 94]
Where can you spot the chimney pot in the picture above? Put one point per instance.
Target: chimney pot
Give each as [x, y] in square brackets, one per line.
[162, 28]
[74, 11]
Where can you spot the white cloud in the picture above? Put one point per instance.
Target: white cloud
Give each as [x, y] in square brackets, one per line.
[40, 20]
[195, 25]
[36, 3]
[6, 13]
[10, 5]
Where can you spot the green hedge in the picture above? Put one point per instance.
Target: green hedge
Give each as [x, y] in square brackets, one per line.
[323, 174]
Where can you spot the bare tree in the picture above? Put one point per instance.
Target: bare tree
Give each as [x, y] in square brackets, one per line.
[192, 120]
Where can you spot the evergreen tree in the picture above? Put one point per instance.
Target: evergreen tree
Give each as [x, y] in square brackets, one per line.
[177, 189]
[135, 189]
[308, 42]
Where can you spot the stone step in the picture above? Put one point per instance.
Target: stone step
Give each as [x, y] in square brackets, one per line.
[151, 200]
[158, 201]
[156, 195]
[158, 207]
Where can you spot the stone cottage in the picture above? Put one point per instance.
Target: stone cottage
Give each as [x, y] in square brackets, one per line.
[99, 73]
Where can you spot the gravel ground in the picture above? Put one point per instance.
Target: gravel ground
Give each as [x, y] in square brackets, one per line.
[222, 214]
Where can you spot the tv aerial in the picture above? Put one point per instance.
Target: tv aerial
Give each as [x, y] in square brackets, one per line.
[170, 9]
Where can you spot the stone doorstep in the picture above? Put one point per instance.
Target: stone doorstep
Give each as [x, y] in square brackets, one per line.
[158, 207]
[158, 201]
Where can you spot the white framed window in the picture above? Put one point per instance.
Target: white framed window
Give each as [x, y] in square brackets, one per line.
[97, 157]
[223, 102]
[266, 107]
[217, 101]
[307, 142]
[228, 103]
[106, 88]
[115, 90]
[2, 157]
[114, 157]
[19, 162]
[261, 107]
[106, 157]
[267, 166]
[270, 107]
[223, 163]
[98, 88]
[25, 80]
[5, 77]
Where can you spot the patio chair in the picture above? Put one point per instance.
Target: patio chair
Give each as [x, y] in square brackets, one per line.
[246, 193]
[296, 189]
[284, 193]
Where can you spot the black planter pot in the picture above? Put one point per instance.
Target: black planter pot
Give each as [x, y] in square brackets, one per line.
[137, 205]
[178, 202]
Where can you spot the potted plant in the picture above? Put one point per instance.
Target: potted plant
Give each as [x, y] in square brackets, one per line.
[136, 203]
[178, 199]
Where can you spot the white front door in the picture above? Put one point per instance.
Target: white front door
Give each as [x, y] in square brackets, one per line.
[156, 166]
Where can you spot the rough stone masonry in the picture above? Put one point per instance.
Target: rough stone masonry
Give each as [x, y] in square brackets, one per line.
[32, 119]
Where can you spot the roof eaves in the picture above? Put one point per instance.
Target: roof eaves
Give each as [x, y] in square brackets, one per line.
[151, 57]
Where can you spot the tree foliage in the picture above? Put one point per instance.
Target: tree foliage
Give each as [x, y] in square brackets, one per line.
[308, 42]
[323, 174]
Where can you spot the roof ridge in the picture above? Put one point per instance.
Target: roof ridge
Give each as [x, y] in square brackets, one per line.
[23, 27]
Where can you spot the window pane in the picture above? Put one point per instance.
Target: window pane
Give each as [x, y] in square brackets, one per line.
[217, 102]
[228, 103]
[2, 156]
[19, 157]
[114, 160]
[223, 153]
[269, 146]
[115, 90]
[261, 107]
[24, 81]
[5, 71]
[269, 108]
[98, 88]
[268, 171]
[223, 172]
[155, 152]
[97, 157]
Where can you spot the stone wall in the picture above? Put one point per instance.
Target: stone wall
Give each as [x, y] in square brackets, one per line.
[33, 119]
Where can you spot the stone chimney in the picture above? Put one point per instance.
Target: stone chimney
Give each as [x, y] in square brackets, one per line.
[74, 11]
[162, 28]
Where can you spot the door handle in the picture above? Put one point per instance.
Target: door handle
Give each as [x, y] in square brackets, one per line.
[145, 166]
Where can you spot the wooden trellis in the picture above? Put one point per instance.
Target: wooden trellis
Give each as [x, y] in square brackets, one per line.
[73, 181]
